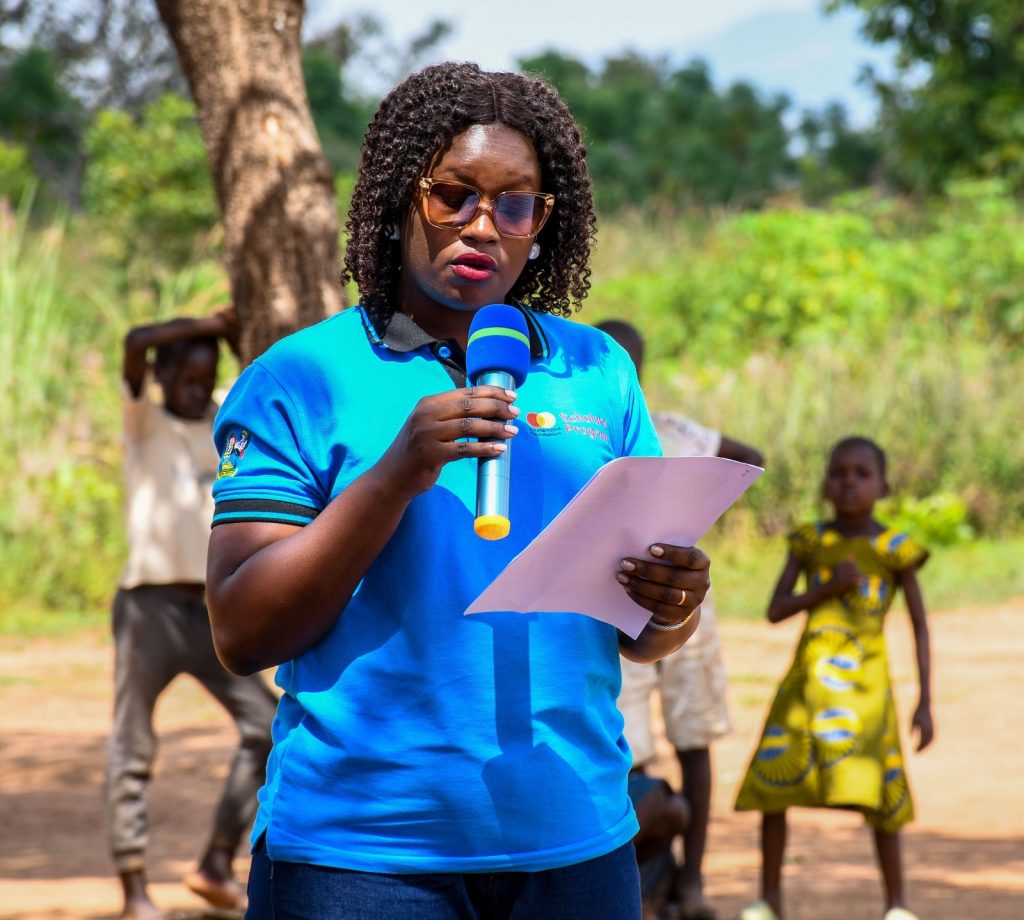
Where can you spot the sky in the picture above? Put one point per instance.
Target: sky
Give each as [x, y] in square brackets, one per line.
[785, 46]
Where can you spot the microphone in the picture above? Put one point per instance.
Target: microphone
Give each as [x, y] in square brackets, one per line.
[497, 354]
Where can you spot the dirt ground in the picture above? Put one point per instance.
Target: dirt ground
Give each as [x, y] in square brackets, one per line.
[964, 855]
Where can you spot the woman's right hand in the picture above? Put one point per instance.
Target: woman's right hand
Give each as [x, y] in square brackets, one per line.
[437, 432]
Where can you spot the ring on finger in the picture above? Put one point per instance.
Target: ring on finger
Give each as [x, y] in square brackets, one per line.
[682, 598]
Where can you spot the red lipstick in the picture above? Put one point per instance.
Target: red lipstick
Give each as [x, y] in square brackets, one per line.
[474, 266]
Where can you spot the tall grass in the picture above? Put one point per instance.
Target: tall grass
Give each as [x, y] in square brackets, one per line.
[63, 313]
[30, 356]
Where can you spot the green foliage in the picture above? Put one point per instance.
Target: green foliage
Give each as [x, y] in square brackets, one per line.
[797, 277]
[936, 520]
[789, 329]
[63, 312]
[148, 182]
[955, 107]
[37, 113]
[836, 156]
[16, 176]
[65, 545]
[341, 120]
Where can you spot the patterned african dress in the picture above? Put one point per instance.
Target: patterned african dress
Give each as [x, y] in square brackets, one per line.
[831, 737]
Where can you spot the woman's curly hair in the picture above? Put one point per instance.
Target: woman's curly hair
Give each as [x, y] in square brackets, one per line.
[419, 118]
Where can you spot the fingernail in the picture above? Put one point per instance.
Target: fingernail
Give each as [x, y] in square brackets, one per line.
[511, 428]
[657, 550]
[515, 410]
[627, 566]
[622, 579]
[499, 447]
[512, 393]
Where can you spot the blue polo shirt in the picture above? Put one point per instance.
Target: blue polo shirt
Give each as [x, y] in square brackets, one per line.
[412, 738]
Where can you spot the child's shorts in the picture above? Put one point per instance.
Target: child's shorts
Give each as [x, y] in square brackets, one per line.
[692, 683]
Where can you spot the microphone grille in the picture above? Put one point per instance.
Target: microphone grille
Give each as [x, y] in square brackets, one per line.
[499, 340]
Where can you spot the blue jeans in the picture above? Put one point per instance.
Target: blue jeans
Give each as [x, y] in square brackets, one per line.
[606, 888]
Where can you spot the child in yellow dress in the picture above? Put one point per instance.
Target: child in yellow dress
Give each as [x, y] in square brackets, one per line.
[831, 737]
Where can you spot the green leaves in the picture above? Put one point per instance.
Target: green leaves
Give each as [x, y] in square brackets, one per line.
[955, 107]
[148, 180]
[663, 136]
[790, 328]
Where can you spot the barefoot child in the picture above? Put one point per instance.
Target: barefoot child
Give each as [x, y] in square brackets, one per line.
[831, 738]
[161, 625]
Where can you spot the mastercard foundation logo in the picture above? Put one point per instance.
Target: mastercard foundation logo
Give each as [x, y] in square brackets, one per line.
[540, 419]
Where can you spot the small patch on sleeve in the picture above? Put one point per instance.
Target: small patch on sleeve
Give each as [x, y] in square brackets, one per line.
[233, 452]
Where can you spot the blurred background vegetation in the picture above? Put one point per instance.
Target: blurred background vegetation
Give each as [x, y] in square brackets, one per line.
[799, 278]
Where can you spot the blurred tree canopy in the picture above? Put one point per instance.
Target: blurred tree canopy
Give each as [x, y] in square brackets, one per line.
[661, 134]
[342, 112]
[658, 133]
[955, 107]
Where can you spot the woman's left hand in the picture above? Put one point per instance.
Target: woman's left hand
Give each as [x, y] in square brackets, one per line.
[671, 584]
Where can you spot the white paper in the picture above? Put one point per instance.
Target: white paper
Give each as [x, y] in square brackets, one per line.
[628, 504]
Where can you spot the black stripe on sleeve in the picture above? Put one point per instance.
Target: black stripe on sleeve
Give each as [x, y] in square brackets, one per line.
[258, 509]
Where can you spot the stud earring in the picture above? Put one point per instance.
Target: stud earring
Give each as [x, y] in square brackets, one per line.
[393, 233]
[534, 251]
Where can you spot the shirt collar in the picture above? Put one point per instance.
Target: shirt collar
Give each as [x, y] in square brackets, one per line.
[402, 334]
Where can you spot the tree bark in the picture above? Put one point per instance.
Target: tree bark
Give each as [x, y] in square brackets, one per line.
[243, 63]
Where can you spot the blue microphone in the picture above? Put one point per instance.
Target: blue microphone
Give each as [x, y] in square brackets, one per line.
[497, 354]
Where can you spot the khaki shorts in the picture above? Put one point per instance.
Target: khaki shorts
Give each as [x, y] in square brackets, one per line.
[692, 685]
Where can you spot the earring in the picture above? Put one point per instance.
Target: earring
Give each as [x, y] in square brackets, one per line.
[393, 233]
[534, 251]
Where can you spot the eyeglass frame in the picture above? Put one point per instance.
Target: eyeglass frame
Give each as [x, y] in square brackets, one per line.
[426, 183]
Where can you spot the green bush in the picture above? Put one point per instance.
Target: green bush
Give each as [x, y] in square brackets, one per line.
[850, 277]
[16, 174]
[63, 313]
[148, 182]
[936, 520]
[791, 328]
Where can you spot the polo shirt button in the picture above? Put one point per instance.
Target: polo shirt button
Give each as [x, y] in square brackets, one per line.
[444, 352]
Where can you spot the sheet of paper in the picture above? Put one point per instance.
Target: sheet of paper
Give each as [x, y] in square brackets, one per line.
[628, 504]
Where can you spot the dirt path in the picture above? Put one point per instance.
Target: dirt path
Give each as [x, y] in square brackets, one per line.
[965, 853]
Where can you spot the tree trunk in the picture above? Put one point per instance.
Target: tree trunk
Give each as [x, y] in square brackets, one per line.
[243, 63]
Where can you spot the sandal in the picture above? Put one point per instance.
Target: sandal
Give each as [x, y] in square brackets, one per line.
[899, 913]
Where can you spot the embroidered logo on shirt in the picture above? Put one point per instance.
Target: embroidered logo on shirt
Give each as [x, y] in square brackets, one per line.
[233, 452]
[547, 423]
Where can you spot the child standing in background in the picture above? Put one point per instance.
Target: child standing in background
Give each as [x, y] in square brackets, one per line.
[690, 680]
[161, 626]
[831, 738]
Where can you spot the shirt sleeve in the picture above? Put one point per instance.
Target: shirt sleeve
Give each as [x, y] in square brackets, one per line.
[264, 473]
[639, 436]
[137, 411]
[904, 552]
[803, 542]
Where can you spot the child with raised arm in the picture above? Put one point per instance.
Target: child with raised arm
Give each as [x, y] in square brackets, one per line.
[161, 625]
[831, 738]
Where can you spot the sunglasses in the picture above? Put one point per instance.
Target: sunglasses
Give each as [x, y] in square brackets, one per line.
[453, 205]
